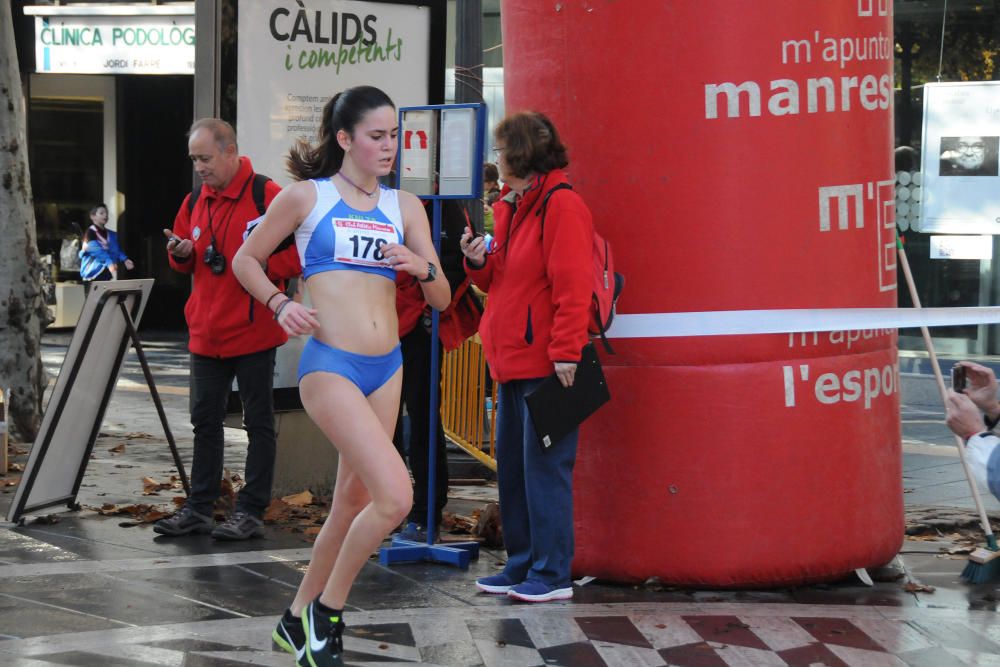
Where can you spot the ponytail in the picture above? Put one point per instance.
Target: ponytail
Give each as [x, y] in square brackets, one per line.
[342, 112]
[307, 161]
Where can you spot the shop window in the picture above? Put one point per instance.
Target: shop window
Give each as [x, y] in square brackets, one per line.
[66, 150]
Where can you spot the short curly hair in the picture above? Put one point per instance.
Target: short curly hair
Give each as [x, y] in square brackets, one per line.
[531, 144]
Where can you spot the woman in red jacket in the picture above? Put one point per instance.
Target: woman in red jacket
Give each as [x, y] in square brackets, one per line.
[535, 325]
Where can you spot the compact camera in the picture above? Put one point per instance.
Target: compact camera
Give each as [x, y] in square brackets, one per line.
[216, 260]
[958, 379]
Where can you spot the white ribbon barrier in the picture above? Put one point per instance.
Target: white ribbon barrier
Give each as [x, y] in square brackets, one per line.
[743, 322]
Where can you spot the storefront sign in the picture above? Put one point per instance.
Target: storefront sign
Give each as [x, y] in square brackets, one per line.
[114, 44]
[961, 140]
[295, 55]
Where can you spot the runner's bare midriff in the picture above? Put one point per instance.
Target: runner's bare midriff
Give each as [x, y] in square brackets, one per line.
[356, 311]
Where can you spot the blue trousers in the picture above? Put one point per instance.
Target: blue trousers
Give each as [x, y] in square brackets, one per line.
[536, 492]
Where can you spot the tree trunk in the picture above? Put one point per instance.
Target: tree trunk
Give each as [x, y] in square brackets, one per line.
[23, 313]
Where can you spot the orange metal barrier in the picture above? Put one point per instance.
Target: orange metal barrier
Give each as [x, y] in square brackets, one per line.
[468, 413]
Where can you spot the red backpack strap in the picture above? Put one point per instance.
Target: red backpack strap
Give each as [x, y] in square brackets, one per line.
[545, 201]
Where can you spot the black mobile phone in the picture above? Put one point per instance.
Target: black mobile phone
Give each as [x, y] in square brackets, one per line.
[958, 378]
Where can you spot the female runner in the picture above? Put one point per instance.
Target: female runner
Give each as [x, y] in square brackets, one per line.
[352, 235]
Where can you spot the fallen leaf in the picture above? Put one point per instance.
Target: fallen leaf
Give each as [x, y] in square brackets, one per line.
[312, 530]
[299, 499]
[142, 513]
[229, 486]
[136, 436]
[118, 449]
[150, 486]
[488, 526]
[277, 511]
[15, 467]
[457, 523]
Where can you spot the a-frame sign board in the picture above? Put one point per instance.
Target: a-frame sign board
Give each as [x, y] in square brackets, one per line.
[73, 417]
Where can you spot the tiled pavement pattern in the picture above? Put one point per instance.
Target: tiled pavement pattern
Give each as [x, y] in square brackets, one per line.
[215, 609]
[87, 591]
[570, 635]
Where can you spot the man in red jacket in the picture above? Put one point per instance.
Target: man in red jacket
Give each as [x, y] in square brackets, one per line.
[231, 334]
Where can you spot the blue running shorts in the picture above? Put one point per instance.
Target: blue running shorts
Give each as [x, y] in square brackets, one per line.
[367, 372]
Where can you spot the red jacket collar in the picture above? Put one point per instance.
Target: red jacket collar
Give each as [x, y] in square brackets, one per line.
[232, 191]
[540, 185]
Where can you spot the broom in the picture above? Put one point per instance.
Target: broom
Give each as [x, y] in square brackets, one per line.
[984, 562]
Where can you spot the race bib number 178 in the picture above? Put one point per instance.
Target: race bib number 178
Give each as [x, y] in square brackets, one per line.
[360, 242]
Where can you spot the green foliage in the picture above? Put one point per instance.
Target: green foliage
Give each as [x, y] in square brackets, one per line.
[971, 42]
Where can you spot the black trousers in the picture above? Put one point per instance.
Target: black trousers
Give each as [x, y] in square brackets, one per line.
[416, 396]
[211, 382]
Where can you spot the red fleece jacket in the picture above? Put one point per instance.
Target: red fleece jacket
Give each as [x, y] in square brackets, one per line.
[223, 320]
[539, 285]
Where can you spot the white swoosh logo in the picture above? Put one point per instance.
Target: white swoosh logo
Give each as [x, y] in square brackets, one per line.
[314, 645]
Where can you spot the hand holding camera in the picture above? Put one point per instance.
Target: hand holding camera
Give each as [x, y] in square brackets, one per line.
[979, 383]
[958, 378]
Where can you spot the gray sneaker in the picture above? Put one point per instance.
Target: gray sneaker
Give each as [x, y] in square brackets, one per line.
[239, 526]
[184, 522]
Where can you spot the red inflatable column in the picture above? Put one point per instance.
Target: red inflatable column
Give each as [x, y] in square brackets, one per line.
[737, 156]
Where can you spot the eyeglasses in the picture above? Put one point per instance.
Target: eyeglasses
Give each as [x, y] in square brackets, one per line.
[977, 147]
[497, 150]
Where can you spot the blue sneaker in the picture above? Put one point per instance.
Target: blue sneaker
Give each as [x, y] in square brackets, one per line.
[498, 584]
[536, 591]
[417, 532]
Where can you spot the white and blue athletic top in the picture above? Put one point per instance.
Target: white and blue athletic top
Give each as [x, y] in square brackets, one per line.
[336, 237]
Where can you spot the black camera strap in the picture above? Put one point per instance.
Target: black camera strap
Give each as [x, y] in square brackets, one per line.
[224, 225]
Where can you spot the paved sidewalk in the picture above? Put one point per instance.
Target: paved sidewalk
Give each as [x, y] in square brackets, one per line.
[87, 590]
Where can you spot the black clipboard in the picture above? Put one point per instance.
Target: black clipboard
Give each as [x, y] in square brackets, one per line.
[556, 411]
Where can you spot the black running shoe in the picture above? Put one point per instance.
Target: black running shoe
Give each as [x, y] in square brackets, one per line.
[184, 522]
[324, 646]
[289, 636]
